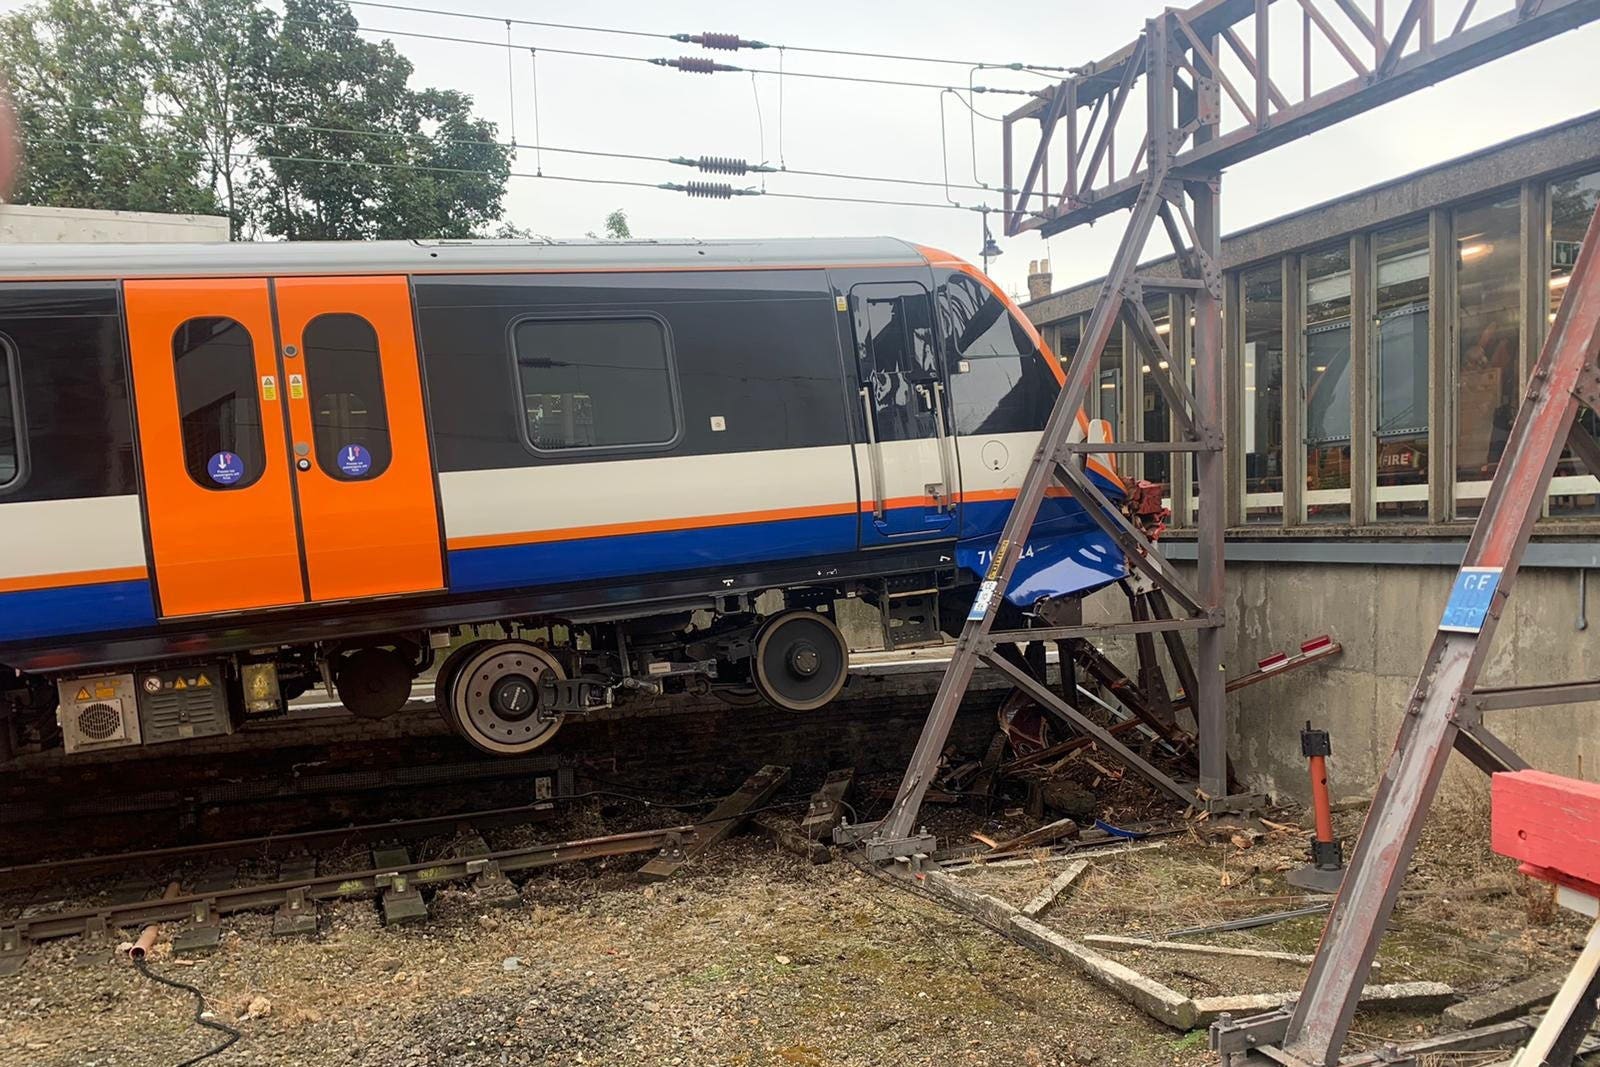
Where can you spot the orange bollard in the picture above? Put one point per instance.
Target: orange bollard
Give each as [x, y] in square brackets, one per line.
[1326, 870]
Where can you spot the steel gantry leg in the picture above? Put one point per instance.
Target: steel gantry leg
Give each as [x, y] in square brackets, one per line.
[1441, 713]
[1059, 459]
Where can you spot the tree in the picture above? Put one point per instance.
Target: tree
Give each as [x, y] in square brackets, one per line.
[617, 225]
[82, 74]
[208, 49]
[419, 164]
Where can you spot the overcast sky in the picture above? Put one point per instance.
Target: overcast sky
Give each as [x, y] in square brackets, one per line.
[893, 131]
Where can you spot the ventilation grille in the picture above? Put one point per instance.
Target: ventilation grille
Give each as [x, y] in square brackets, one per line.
[101, 721]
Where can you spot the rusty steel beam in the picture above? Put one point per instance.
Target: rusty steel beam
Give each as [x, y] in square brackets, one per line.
[1395, 73]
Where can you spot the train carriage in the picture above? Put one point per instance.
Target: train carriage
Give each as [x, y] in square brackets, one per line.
[229, 473]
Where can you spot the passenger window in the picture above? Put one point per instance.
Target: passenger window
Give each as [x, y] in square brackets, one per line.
[220, 415]
[898, 362]
[998, 381]
[344, 376]
[595, 383]
[10, 415]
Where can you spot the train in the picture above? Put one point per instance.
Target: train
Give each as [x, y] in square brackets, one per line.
[552, 476]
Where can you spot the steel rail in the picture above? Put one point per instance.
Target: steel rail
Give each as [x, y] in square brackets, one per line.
[340, 885]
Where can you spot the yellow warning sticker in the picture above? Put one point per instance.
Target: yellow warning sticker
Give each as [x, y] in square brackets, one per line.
[83, 693]
[269, 387]
[202, 682]
[841, 304]
[180, 684]
[297, 387]
[104, 692]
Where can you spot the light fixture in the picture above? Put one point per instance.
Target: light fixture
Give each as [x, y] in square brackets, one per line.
[1473, 251]
[1561, 282]
[1163, 328]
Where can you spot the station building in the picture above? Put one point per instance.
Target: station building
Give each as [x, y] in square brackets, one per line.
[1376, 351]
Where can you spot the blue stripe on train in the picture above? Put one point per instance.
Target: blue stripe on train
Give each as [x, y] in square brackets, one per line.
[75, 609]
[555, 562]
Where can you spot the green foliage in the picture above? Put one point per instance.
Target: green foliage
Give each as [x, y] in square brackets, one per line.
[617, 225]
[223, 105]
[81, 76]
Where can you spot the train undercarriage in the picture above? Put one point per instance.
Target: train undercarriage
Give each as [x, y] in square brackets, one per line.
[503, 685]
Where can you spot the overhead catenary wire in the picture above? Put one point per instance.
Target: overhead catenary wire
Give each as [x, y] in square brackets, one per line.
[712, 190]
[717, 38]
[697, 67]
[708, 164]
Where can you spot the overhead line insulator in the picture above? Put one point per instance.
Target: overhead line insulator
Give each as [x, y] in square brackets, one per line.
[692, 65]
[709, 190]
[728, 42]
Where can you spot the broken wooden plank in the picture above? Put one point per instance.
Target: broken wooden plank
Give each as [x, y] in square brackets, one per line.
[1398, 996]
[1506, 1003]
[1039, 837]
[724, 819]
[827, 804]
[1058, 885]
[784, 835]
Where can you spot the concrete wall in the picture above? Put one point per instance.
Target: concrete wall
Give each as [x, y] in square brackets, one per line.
[1384, 616]
[23, 224]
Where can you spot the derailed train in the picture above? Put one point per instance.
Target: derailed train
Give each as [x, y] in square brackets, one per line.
[230, 473]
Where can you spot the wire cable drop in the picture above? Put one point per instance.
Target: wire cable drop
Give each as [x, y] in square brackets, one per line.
[231, 1035]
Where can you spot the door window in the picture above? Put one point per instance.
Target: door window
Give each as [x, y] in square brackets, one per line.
[349, 422]
[898, 363]
[595, 383]
[220, 415]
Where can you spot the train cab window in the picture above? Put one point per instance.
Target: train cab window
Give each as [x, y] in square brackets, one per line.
[344, 379]
[595, 383]
[10, 415]
[998, 382]
[220, 415]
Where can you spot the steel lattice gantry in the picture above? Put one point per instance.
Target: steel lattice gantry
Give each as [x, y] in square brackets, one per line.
[1208, 79]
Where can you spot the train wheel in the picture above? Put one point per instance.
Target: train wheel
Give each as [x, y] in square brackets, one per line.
[446, 675]
[373, 683]
[801, 661]
[493, 699]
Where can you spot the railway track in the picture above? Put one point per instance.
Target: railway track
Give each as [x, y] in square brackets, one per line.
[392, 875]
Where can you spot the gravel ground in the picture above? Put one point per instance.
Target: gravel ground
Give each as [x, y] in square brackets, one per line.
[750, 957]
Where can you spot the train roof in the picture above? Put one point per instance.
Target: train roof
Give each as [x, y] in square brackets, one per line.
[279, 258]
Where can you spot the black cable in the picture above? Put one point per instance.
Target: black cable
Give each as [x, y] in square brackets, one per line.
[428, 169]
[538, 147]
[140, 965]
[617, 57]
[614, 31]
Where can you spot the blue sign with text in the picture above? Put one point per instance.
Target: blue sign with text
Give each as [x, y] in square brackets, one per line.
[225, 468]
[1470, 599]
[354, 460]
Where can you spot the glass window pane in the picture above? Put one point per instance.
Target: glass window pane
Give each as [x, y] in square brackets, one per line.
[10, 409]
[1262, 407]
[1401, 378]
[596, 383]
[1574, 491]
[220, 416]
[1157, 417]
[349, 420]
[1107, 399]
[1488, 342]
[1067, 339]
[1327, 384]
[896, 356]
[999, 383]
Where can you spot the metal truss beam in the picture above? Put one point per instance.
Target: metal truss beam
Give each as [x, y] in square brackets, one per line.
[1375, 66]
